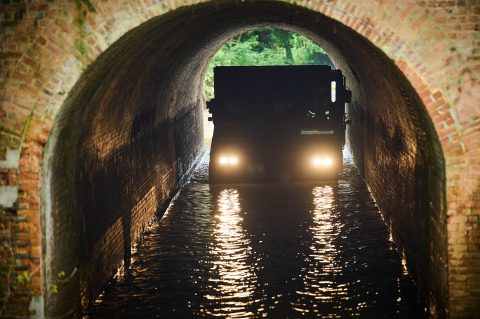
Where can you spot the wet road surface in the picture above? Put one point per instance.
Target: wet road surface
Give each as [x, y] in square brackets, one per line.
[265, 251]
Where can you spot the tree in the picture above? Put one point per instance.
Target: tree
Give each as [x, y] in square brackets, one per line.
[265, 46]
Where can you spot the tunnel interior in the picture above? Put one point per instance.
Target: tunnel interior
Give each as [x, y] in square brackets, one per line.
[131, 129]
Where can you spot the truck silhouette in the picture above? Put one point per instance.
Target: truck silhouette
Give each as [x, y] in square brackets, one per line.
[277, 123]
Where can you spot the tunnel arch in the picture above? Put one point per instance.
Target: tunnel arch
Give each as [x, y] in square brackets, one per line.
[131, 126]
[457, 130]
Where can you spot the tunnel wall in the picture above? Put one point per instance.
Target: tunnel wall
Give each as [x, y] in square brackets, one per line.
[46, 46]
[129, 132]
[119, 195]
[396, 148]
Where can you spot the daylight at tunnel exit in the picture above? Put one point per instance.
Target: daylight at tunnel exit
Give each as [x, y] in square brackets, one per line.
[239, 159]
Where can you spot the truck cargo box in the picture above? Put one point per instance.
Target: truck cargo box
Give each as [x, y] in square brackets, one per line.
[277, 123]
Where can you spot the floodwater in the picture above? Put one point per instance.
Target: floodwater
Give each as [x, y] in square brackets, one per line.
[265, 251]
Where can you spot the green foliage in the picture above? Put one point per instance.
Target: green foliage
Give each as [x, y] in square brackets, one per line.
[265, 46]
[26, 126]
[54, 289]
[23, 278]
[54, 286]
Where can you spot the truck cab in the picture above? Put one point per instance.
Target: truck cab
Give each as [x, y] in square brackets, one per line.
[277, 123]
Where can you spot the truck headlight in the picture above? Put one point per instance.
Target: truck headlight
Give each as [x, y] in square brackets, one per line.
[325, 161]
[228, 160]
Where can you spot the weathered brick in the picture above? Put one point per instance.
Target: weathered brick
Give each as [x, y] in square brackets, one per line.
[46, 29]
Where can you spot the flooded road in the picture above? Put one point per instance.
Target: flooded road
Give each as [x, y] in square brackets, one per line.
[265, 251]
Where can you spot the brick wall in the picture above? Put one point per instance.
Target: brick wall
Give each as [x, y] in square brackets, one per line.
[48, 73]
[403, 165]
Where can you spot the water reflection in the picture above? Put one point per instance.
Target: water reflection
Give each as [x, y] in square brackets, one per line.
[233, 280]
[276, 251]
[321, 292]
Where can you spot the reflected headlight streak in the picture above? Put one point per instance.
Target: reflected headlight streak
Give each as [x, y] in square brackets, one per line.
[322, 161]
[228, 160]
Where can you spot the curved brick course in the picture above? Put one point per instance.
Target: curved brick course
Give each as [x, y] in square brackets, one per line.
[47, 79]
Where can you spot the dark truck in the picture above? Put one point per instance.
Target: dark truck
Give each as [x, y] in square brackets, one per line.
[277, 123]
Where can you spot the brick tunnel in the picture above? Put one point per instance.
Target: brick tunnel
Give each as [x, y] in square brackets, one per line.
[102, 121]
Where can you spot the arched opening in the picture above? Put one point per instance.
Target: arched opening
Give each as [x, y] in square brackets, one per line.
[131, 129]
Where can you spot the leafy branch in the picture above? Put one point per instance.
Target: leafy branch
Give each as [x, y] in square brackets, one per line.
[265, 46]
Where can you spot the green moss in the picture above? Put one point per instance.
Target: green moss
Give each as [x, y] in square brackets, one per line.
[26, 126]
[86, 4]
[84, 7]
[81, 48]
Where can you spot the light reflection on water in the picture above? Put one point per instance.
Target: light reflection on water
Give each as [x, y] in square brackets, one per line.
[232, 278]
[322, 267]
[324, 294]
[265, 251]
